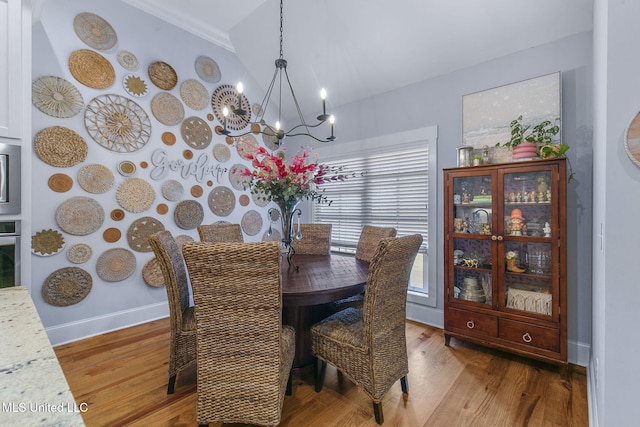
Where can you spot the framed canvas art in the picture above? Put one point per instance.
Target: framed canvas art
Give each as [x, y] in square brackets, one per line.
[486, 115]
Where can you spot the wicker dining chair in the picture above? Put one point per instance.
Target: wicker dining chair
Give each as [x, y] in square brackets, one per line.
[369, 345]
[370, 236]
[220, 233]
[245, 354]
[182, 348]
[316, 240]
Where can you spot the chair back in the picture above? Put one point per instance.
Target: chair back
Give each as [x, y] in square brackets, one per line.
[369, 238]
[385, 298]
[220, 233]
[316, 240]
[238, 309]
[176, 281]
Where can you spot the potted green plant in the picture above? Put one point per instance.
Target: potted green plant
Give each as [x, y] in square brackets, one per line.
[477, 160]
[550, 151]
[525, 139]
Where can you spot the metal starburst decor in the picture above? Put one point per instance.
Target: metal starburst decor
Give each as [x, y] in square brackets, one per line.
[117, 123]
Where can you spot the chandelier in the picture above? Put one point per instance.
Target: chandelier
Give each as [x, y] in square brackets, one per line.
[275, 132]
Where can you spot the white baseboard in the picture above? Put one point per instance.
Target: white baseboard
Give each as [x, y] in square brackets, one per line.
[85, 328]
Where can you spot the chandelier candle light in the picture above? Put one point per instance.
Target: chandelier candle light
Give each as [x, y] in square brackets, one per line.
[259, 125]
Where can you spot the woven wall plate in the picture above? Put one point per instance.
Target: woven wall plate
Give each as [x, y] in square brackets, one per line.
[226, 95]
[127, 168]
[251, 222]
[162, 208]
[259, 198]
[270, 139]
[172, 190]
[197, 191]
[168, 138]
[56, 97]
[167, 109]
[111, 235]
[95, 178]
[115, 265]
[182, 239]
[196, 133]
[244, 200]
[194, 94]
[135, 195]
[135, 85]
[79, 253]
[152, 274]
[207, 69]
[91, 69]
[117, 215]
[95, 31]
[47, 242]
[237, 177]
[66, 286]
[59, 146]
[222, 200]
[117, 123]
[79, 215]
[163, 75]
[60, 182]
[128, 60]
[246, 145]
[221, 153]
[139, 232]
[188, 214]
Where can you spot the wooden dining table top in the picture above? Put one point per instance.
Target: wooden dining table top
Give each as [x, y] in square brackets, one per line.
[321, 279]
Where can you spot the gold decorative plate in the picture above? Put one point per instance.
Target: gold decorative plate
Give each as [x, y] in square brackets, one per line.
[59, 146]
[47, 242]
[135, 85]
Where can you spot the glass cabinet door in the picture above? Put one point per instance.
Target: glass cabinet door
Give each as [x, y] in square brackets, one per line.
[473, 223]
[528, 255]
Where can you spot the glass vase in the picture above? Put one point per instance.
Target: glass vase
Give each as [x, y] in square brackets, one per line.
[287, 209]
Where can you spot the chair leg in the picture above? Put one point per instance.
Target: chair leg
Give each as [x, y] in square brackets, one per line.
[404, 384]
[377, 411]
[289, 390]
[321, 368]
[172, 384]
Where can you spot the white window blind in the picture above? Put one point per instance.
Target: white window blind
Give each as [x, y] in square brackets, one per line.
[393, 192]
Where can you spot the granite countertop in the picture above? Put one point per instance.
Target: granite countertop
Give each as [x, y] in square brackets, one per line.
[33, 389]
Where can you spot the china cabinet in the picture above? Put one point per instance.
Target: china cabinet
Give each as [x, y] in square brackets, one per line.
[505, 257]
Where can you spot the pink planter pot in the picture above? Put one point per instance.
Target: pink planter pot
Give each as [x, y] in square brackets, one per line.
[525, 150]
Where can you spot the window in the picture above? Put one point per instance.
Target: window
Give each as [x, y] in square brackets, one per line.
[400, 174]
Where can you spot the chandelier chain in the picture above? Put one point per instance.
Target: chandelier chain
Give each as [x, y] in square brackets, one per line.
[281, 28]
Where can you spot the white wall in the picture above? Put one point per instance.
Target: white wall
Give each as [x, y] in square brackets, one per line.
[439, 102]
[616, 298]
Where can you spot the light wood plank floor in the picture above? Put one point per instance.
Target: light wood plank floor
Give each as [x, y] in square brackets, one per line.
[122, 376]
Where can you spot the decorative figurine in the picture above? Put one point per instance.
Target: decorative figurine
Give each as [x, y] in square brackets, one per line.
[511, 263]
[517, 222]
[547, 230]
[512, 197]
[548, 195]
[542, 184]
[540, 197]
[532, 196]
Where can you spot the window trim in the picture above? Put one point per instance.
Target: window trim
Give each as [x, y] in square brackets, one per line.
[386, 143]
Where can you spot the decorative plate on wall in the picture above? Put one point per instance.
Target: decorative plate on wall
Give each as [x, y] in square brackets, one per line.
[128, 60]
[172, 190]
[168, 138]
[188, 214]
[117, 215]
[59, 146]
[224, 96]
[66, 286]
[632, 140]
[56, 97]
[221, 153]
[95, 178]
[237, 177]
[194, 94]
[139, 232]
[91, 69]
[135, 195]
[222, 200]
[79, 253]
[135, 85]
[207, 69]
[163, 75]
[152, 273]
[80, 215]
[167, 109]
[47, 242]
[95, 31]
[111, 235]
[251, 222]
[127, 168]
[115, 265]
[117, 123]
[196, 133]
[60, 183]
[246, 145]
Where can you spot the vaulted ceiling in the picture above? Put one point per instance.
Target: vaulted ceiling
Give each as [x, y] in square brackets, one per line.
[360, 48]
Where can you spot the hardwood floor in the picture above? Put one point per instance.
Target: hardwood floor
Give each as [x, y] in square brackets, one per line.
[122, 376]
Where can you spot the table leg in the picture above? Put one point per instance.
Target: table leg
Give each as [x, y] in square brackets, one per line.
[302, 318]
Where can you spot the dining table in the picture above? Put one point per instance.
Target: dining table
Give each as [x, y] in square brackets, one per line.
[308, 288]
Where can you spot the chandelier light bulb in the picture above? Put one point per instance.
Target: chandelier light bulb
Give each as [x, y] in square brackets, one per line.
[323, 94]
[225, 112]
[277, 125]
[240, 87]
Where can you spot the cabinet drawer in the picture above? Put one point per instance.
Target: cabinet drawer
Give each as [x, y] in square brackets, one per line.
[470, 322]
[530, 335]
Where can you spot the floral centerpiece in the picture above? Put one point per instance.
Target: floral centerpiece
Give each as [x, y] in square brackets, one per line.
[287, 183]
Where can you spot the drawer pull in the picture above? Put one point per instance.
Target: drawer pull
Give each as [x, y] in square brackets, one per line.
[526, 338]
[471, 324]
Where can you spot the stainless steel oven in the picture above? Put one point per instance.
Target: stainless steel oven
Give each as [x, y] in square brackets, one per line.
[9, 253]
[9, 178]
